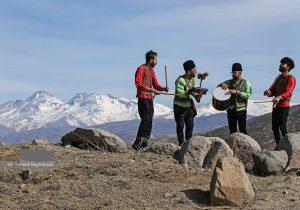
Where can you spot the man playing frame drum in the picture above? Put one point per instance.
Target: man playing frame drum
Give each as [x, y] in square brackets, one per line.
[240, 90]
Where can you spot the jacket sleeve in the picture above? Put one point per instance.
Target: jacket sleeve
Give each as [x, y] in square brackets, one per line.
[289, 88]
[273, 89]
[155, 83]
[248, 90]
[227, 82]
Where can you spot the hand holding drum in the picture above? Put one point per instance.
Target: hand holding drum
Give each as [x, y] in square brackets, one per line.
[221, 98]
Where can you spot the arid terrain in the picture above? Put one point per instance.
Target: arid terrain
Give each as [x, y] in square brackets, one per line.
[83, 179]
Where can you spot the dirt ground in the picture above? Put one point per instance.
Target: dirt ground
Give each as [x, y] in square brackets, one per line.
[84, 179]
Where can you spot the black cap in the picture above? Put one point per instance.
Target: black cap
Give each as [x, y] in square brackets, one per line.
[189, 65]
[237, 67]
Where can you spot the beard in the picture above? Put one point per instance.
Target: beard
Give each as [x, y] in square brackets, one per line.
[281, 69]
[152, 65]
[234, 77]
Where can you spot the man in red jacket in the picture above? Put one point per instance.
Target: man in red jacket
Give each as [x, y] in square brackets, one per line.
[282, 89]
[147, 86]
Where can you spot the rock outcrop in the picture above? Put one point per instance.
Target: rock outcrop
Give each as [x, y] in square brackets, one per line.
[162, 148]
[95, 138]
[291, 144]
[270, 162]
[243, 146]
[203, 152]
[230, 184]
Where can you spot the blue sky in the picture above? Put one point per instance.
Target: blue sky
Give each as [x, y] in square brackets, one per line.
[71, 46]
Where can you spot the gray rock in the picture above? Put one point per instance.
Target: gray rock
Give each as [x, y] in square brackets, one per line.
[291, 144]
[219, 150]
[95, 138]
[270, 162]
[203, 152]
[162, 148]
[230, 184]
[243, 146]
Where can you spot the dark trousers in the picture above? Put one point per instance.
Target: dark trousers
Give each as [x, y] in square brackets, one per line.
[279, 119]
[237, 117]
[146, 111]
[183, 116]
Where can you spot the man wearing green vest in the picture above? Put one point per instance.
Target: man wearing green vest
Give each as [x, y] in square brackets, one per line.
[184, 109]
[240, 90]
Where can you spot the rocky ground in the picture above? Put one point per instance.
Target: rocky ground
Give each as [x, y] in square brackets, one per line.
[83, 179]
[260, 128]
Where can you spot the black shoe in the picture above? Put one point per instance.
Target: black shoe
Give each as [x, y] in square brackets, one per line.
[180, 143]
[144, 142]
[137, 144]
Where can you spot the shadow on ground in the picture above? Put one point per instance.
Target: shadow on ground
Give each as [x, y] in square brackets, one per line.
[198, 196]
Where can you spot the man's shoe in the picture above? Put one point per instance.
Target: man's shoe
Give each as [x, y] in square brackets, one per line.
[137, 144]
[144, 142]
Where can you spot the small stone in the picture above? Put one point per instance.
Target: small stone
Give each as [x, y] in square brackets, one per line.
[25, 191]
[25, 174]
[168, 195]
[285, 192]
[22, 186]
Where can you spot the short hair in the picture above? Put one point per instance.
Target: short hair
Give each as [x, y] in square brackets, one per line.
[288, 61]
[150, 55]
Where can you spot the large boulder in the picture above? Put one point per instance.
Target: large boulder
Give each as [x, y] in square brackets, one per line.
[95, 138]
[243, 146]
[162, 148]
[203, 152]
[270, 162]
[230, 184]
[291, 144]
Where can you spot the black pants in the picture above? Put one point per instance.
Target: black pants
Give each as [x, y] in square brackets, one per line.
[235, 117]
[279, 119]
[146, 111]
[183, 116]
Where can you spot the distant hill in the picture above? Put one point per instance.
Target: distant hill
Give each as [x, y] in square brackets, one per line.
[260, 128]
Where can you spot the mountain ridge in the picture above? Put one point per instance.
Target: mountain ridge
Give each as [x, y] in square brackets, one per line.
[42, 111]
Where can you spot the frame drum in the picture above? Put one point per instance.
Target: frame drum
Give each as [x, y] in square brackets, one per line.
[221, 99]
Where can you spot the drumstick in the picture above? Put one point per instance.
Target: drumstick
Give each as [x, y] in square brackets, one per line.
[166, 76]
[169, 94]
[257, 102]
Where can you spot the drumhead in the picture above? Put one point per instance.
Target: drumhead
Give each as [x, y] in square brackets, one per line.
[220, 94]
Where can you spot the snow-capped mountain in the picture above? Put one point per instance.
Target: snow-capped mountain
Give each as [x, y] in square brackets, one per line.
[84, 109]
[43, 115]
